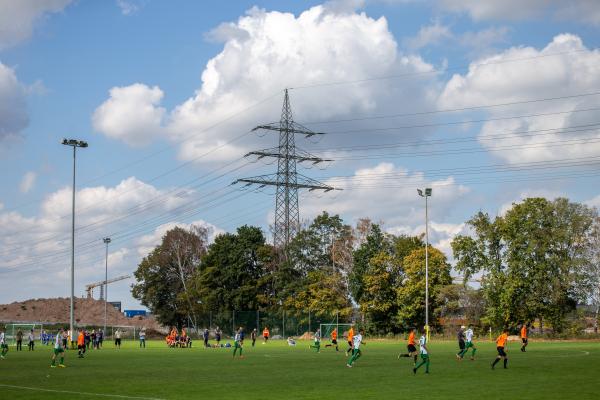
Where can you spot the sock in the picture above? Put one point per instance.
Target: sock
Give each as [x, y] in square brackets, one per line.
[473, 353]
[427, 366]
[53, 361]
[241, 351]
[505, 362]
[495, 362]
[415, 359]
[62, 360]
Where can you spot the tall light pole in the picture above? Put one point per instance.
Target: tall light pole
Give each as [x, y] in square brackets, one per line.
[74, 143]
[106, 241]
[426, 194]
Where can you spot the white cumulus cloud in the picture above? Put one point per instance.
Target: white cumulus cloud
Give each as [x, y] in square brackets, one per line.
[17, 18]
[548, 130]
[13, 108]
[131, 114]
[27, 182]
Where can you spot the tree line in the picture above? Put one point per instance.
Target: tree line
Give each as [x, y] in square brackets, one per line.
[538, 261]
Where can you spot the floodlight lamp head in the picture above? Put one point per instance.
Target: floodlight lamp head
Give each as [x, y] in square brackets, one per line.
[106, 240]
[420, 192]
[428, 191]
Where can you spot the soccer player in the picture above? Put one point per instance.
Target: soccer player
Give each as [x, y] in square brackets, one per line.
[265, 335]
[238, 342]
[460, 336]
[317, 344]
[59, 348]
[3, 345]
[253, 336]
[524, 337]
[356, 353]
[500, 344]
[469, 344]
[80, 343]
[424, 354]
[334, 335]
[411, 347]
[350, 338]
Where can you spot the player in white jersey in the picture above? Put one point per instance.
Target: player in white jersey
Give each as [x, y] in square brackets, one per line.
[357, 340]
[469, 344]
[58, 349]
[238, 342]
[317, 345]
[3, 345]
[424, 355]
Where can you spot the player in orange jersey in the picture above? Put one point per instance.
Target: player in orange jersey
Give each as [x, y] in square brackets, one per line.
[524, 332]
[411, 347]
[500, 346]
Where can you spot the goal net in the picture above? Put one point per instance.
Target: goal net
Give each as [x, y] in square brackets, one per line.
[14, 331]
[327, 329]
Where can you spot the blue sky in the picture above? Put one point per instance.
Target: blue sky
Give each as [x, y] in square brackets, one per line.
[165, 92]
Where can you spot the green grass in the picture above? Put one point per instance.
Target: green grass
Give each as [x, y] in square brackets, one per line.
[558, 370]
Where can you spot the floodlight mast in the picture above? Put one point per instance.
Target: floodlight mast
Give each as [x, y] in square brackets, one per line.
[106, 241]
[426, 194]
[74, 143]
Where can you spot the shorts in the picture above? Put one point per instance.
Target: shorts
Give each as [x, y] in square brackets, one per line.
[3, 346]
[334, 341]
[81, 346]
[118, 342]
[265, 338]
[461, 344]
[501, 352]
[411, 348]
[64, 342]
[58, 351]
[350, 343]
[524, 340]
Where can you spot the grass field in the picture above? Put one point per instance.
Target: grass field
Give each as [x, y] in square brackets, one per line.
[557, 370]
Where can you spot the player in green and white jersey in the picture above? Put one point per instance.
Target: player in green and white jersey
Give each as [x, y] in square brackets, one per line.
[3, 345]
[238, 342]
[58, 349]
[317, 345]
[469, 344]
[356, 353]
[424, 355]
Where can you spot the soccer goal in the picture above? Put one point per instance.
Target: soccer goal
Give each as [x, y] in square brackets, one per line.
[24, 329]
[327, 329]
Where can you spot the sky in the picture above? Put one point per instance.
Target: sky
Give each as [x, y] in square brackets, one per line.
[486, 102]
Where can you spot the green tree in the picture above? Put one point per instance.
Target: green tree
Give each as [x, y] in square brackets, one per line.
[375, 243]
[411, 295]
[163, 277]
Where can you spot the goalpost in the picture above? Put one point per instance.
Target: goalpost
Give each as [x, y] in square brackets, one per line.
[25, 329]
[326, 329]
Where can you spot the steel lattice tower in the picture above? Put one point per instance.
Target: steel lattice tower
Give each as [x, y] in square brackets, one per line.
[287, 180]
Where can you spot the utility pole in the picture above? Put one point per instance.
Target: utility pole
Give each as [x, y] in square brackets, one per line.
[106, 241]
[427, 194]
[287, 180]
[75, 144]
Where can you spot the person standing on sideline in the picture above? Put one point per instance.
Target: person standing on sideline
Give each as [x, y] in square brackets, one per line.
[218, 336]
[524, 337]
[356, 353]
[3, 345]
[143, 338]
[411, 347]
[460, 336]
[80, 343]
[205, 335]
[31, 340]
[253, 336]
[265, 335]
[19, 340]
[424, 354]
[118, 339]
[500, 345]
[59, 348]
[100, 338]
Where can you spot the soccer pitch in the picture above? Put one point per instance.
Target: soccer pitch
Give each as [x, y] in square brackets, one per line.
[557, 370]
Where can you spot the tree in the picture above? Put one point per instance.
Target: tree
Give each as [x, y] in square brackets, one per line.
[163, 277]
[533, 259]
[411, 295]
[375, 243]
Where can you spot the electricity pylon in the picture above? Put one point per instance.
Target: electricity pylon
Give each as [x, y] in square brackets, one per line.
[287, 180]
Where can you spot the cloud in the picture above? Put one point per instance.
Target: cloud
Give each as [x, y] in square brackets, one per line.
[129, 7]
[264, 52]
[131, 114]
[440, 234]
[27, 182]
[17, 18]
[525, 194]
[368, 193]
[564, 67]
[578, 10]
[430, 35]
[13, 108]
[40, 244]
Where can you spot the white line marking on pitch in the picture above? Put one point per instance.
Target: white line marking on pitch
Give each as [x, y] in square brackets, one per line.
[121, 396]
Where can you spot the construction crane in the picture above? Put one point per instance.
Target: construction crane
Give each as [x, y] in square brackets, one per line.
[89, 289]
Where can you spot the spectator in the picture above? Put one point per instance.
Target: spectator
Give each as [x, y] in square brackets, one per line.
[118, 339]
[31, 341]
[143, 338]
[205, 337]
[19, 340]
[218, 336]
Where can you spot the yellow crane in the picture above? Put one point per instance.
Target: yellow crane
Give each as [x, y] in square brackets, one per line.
[89, 289]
